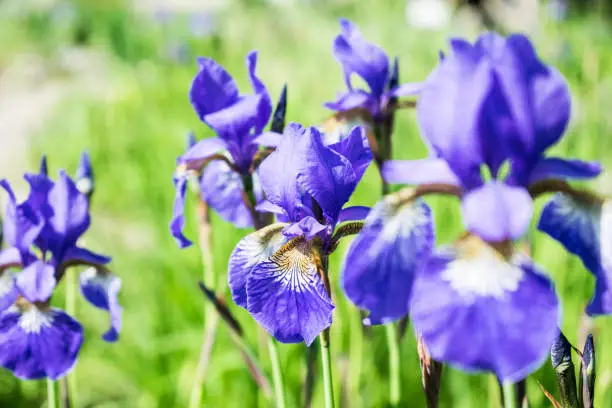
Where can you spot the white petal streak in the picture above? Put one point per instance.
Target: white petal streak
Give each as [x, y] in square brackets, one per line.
[33, 320]
[295, 266]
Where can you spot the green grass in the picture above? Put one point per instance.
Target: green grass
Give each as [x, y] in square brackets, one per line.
[135, 129]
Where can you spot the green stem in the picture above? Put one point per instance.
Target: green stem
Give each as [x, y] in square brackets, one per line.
[355, 355]
[277, 373]
[328, 384]
[53, 400]
[71, 299]
[509, 391]
[394, 365]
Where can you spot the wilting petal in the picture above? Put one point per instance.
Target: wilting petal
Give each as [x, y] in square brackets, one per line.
[212, 88]
[480, 312]
[585, 230]
[70, 213]
[101, 290]
[222, 189]
[36, 344]
[178, 219]
[351, 100]
[307, 227]
[354, 213]
[195, 155]
[393, 246]
[356, 149]
[557, 168]
[250, 251]
[8, 290]
[425, 171]
[287, 297]
[363, 58]
[37, 281]
[21, 223]
[497, 212]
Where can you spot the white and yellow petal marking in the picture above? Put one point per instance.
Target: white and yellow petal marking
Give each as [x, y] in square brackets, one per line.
[338, 126]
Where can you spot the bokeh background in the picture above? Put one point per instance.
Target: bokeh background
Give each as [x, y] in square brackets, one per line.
[112, 77]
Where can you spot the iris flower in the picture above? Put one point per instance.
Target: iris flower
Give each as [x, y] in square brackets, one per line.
[37, 340]
[225, 160]
[275, 273]
[488, 113]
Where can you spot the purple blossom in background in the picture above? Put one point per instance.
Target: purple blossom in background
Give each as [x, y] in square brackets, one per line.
[238, 120]
[370, 62]
[37, 340]
[489, 108]
[274, 272]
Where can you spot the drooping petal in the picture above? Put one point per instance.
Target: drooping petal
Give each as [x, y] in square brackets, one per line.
[356, 149]
[351, 100]
[212, 88]
[407, 89]
[557, 168]
[425, 171]
[393, 246]
[8, 290]
[37, 281]
[22, 224]
[361, 57]
[222, 189]
[177, 223]
[307, 227]
[70, 213]
[195, 156]
[250, 251]
[286, 295]
[36, 343]
[354, 213]
[584, 229]
[101, 289]
[497, 212]
[266, 206]
[480, 312]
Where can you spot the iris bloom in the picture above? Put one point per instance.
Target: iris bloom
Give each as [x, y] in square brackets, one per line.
[238, 120]
[488, 112]
[275, 272]
[37, 340]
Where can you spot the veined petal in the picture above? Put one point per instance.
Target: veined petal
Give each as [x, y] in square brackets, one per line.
[101, 289]
[480, 312]
[557, 168]
[38, 343]
[37, 281]
[250, 251]
[497, 212]
[287, 297]
[393, 246]
[425, 171]
[8, 290]
[177, 223]
[222, 189]
[356, 149]
[354, 213]
[307, 227]
[212, 88]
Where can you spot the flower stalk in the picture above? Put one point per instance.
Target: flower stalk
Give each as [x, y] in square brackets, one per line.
[328, 386]
[509, 393]
[394, 364]
[53, 394]
[277, 374]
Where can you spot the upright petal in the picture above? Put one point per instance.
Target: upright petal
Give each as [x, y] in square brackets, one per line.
[70, 212]
[265, 108]
[177, 223]
[84, 175]
[37, 343]
[101, 289]
[286, 295]
[37, 281]
[497, 212]
[222, 189]
[250, 251]
[356, 149]
[480, 312]
[383, 260]
[307, 227]
[22, 224]
[212, 88]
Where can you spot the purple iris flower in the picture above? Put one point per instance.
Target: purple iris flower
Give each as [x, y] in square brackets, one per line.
[37, 340]
[479, 304]
[370, 62]
[274, 272]
[238, 120]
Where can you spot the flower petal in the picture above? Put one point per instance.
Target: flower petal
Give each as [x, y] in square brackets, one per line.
[101, 290]
[557, 168]
[287, 297]
[70, 213]
[407, 89]
[195, 155]
[21, 223]
[36, 344]
[425, 171]
[265, 108]
[212, 88]
[250, 251]
[356, 149]
[268, 139]
[81, 256]
[477, 311]
[355, 213]
[8, 290]
[351, 100]
[497, 212]
[37, 281]
[177, 223]
[307, 227]
[393, 246]
[222, 189]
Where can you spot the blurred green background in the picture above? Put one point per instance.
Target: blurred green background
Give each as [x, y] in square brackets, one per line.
[112, 77]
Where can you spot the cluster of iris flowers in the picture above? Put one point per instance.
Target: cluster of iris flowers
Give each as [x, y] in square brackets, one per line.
[488, 113]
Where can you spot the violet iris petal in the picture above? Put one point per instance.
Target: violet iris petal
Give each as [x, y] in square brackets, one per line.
[21, 223]
[212, 89]
[177, 223]
[101, 290]
[37, 281]
[425, 171]
[37, 343]
[8, 290]
[585, 230]
[557, 168]
[487, 313]
[356, 149]
[355, 213]
[383, 260]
